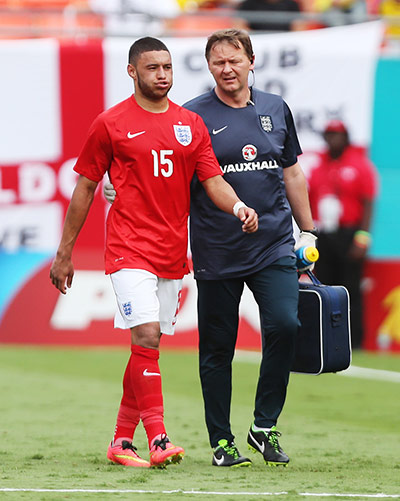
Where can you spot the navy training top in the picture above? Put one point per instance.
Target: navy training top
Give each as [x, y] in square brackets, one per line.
[253, 145]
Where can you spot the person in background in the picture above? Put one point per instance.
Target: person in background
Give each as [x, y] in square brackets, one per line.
[342, 189]
[150, 148]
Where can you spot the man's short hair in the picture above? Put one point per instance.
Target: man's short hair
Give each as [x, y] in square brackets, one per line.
[235, 37]
[146, 44]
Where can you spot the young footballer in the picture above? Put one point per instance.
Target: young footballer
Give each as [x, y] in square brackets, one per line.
[151, 148]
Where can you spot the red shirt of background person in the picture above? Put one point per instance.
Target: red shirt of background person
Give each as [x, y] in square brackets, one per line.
[146, 225]
[342, 189]
[347, 178]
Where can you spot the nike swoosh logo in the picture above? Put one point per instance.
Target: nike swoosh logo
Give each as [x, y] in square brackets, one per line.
[219, 461]
[147, 373]
[261, 446]
[136, 134]
[217, 131]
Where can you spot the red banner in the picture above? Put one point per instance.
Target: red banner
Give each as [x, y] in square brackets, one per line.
[382, 305]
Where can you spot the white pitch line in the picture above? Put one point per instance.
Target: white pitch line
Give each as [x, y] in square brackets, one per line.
[352, 371]
[374, 374]
[342, 495]
[204, 493]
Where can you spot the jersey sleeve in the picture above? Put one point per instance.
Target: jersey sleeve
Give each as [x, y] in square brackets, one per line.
[291, 146]
[206, 162]
[96, 155]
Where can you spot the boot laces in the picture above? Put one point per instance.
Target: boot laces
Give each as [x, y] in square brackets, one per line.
[230, 449]
[128, 445]
[272, 436]
[162, 443]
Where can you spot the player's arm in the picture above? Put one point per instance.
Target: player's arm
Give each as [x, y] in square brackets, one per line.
[225, 198]
[62, 270]
[297, 195]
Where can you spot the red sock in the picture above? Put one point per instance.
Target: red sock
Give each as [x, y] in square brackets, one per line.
[146, 377]
[128, 414]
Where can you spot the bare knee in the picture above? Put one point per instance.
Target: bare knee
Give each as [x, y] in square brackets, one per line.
[146, 335]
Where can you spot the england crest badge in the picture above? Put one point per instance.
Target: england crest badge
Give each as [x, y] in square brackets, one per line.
[127, 307]
[266, 123]
[183, 134]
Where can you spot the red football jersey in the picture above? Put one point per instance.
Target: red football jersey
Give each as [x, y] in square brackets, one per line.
[151, 159]
[350, 179]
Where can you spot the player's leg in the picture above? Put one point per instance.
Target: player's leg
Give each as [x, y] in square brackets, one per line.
[121, 450]
[162, 451]
[275, 289]
[218, 317]
[139, 309]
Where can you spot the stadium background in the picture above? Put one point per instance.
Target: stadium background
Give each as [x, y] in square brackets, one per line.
[51, 90]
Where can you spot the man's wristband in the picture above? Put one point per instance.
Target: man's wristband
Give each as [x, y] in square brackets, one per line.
[238, 205]
[362, 238]
[314, 231]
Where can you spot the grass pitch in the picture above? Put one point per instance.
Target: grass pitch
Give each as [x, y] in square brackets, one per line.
[58, 410]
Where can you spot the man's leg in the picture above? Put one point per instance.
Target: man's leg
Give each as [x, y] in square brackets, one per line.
[335, 267]
[121, 449]
[353, 273]
[275, 289]
[327, 267]
[139, 308]
[218, 317]
[146, 377]
[128, 415]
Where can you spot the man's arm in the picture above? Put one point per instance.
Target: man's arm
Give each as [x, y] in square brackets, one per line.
[225, 198]
[297, 195]
[368, 207]
[62, 270]
[362, 238]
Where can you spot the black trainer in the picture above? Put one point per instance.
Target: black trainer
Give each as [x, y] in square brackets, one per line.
[227, 454]
[266, 442]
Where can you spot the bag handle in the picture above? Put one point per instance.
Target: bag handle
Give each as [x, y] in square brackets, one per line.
[312, 277]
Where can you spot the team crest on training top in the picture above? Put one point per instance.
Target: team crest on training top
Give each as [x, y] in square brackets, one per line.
[266, 123]
[183, 134]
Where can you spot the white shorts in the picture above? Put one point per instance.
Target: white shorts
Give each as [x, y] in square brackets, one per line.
[142, 297]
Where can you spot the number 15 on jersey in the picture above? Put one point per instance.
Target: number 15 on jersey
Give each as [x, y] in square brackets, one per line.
[160, 161]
